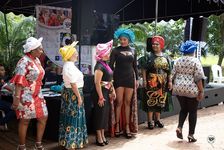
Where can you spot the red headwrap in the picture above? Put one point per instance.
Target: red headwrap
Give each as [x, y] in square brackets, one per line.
[160, 40]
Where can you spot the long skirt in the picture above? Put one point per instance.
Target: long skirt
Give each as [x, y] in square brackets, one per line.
[72, 125]
[101, 114]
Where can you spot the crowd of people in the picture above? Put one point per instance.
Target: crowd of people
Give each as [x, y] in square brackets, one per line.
[114, 95]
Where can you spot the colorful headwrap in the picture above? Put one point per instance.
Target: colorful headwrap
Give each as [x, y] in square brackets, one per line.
[103, 49]
[160, 40]
[188, 47]
[127, 33]
[67, 51]
[31, 44]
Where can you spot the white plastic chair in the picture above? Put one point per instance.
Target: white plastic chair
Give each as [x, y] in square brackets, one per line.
[217, 74]
[3, 115]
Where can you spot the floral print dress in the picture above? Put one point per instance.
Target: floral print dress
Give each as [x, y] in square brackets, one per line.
[29, 74]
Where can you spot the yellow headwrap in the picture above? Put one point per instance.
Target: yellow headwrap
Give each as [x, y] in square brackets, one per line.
[67, 51]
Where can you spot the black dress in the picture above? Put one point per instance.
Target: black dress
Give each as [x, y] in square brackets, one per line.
[101, 114]
[124, 66]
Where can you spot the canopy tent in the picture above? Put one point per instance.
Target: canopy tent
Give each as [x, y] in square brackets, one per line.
[130, 11]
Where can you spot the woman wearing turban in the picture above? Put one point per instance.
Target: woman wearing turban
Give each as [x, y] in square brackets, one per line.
[187, 75]
[103, 92]
[123, 62]
[28, 101]
[72, 125]
[156, 76]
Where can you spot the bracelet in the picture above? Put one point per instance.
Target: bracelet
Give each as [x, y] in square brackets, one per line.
[200, 91]
[101, 99]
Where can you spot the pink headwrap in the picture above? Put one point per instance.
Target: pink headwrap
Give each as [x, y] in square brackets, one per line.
[103, 49]
[160, 40]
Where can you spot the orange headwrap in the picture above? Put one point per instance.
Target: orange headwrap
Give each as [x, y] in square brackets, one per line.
[160, 40]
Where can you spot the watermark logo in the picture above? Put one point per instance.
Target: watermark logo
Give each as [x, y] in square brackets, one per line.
[211, 140]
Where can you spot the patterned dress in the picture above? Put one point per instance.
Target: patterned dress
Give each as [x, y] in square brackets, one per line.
[157, 96]
[186, 73]
[72, 124]
[29, 74]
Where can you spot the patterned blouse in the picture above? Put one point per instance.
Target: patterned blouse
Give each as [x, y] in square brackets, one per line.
[187, 71]
[29, 74]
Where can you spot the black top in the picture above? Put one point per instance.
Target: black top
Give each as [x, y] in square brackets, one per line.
[123, 61]
[107, 76]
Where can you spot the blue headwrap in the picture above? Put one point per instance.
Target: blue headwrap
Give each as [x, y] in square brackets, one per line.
[188, 47]
[127, 33]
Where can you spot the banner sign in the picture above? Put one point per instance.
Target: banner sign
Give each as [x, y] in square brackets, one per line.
[54, 25]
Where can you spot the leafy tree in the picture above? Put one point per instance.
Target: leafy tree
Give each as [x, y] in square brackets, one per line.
[215, 36]
[19, 29]
[172, 31]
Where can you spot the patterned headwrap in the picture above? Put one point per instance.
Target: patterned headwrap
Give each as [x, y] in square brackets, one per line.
[103, 49]
[127, 33]
[188, 47]
[160, 40]
[67, 51]
[31, 44]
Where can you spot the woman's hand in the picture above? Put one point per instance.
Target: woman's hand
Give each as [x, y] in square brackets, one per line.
[80, 101]
[170, 85]
[15, 103]
[137, 84]
[113, 95]
[200, 96]
[145, 84]
[101, 102]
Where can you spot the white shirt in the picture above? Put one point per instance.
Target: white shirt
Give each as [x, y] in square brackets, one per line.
[71, 74]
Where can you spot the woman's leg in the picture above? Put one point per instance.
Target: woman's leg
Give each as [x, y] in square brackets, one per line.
[183, 112]
[158, 123]
[41, 123]
[193, 107]
[150, 116]
[119, 102]
[22, 130]
[128, 93]
[103, 135]
[158, 114]
[99, 136]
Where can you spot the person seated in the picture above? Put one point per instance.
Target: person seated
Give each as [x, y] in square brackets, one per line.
[4, 105]
[50, 72]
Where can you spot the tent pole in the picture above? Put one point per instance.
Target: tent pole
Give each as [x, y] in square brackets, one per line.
[7, 36]
[156, 16]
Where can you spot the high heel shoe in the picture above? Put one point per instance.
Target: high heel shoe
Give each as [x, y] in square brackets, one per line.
[117, 133]
[39, 146]
[128, 135]
[106, 142]
[179, 133]
[150, 125]
[99, 144]
[191, 139]
[159, 124]
[21, 147]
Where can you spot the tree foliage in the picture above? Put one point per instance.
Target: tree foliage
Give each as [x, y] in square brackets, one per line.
[172, 31]
[19, 29]
[215, 36]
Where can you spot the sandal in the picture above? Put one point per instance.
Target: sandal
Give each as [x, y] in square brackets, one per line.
[39, 146]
